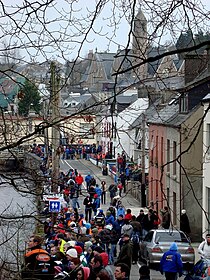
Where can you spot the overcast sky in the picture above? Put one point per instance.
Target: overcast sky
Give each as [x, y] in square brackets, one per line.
[111, 27]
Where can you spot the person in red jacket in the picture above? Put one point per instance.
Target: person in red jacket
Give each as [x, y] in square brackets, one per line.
[128, 215]
[79, 180]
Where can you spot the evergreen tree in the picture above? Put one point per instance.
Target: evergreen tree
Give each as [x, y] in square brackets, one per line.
[30, 99]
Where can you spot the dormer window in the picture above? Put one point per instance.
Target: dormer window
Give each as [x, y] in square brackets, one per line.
[183, 108]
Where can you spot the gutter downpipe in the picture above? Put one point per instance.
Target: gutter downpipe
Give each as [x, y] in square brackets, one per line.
[180, 177]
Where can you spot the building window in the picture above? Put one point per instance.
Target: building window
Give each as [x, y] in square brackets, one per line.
[174, 208]
[156, 154]
[168, 155]
[156, 188]
[152, 186]
[183, 103]
[174, 158]
[152, 150]
[161, 151]
[168, 195]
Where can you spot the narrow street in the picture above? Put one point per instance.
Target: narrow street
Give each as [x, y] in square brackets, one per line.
[83, 167]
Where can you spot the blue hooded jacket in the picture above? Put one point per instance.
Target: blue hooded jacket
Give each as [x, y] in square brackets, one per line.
[171, 260]
[109, 220]
[98, 191]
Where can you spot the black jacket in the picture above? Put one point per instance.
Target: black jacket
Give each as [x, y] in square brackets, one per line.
[88, 202]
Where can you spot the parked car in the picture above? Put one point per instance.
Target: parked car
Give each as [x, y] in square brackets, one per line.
[158, 241]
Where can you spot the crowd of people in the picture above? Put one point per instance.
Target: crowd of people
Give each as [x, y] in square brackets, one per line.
[82, 244]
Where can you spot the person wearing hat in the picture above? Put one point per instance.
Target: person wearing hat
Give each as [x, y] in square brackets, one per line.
[58, 228]
[68, 245]
[75, 263]
[100, 218]
[126, 252]
[96, 203]
[95, 232]
[88, 227]
[83, 273]
[98, 191]
[71, 254]
[184, 223]
[171, 263]
[109, 218]
[204, 247]
[107, 267]
[81, 255]
[88, 252]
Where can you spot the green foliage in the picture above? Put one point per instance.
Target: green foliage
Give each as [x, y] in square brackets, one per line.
[30, 99]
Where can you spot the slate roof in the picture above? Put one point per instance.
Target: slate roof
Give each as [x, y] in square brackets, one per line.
[149, 112]
[125, 56]
[107, 60]
[169, 115]
[77, 98]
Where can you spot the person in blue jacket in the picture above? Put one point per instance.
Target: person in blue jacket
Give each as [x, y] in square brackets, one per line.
[98, 191]
[88, 178]
[109, 218]
[171, 263]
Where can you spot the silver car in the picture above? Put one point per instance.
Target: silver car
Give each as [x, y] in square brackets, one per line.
[158, 241]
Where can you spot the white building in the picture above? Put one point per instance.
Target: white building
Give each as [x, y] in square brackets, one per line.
[125, 138]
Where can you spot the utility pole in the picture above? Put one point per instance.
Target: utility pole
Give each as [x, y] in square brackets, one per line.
[55, 103]
[46, 132]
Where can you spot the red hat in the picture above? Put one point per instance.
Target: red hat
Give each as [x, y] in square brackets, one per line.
[79, 250]
[105, 258]
[60, 226]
